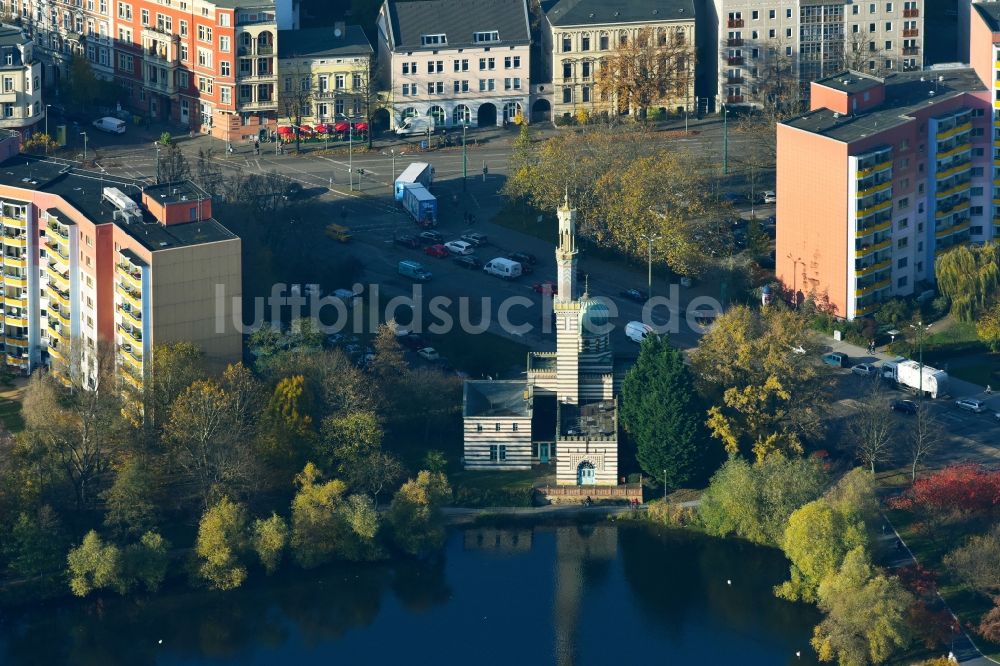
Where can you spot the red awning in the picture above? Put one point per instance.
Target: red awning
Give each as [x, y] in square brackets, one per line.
[305, 128]
[322, 129]
[285, 130]
[361, 127]
[341, 126]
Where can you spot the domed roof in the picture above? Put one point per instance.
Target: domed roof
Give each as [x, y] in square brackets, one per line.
[594, 317]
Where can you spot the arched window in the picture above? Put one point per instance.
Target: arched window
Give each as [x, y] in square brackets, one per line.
[461, 115]
[437, 113]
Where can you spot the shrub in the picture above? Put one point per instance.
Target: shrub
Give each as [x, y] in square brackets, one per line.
[480, 498]
[670, 514]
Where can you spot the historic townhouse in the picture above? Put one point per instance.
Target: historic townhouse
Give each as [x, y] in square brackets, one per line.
[768, 45]
[324, 72]
[95, 265]
[459, 61]
[579, 36]
[64, 28]
[20, 81]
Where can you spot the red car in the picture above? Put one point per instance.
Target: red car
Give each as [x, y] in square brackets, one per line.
[548, 287]
[436, 251]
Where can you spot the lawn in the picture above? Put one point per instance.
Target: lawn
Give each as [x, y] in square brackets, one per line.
[929, 552]
[10, 415]
[524, 218]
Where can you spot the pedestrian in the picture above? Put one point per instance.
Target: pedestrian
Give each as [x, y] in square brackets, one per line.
[989, 390]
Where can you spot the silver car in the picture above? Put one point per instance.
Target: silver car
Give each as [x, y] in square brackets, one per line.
[971, 405]
[865, 370]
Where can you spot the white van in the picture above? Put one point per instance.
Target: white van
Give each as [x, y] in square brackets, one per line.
[110, 125]
[416, 125]
[503, 268]
[637, 331]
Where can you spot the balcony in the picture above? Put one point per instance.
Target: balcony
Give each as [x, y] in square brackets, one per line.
[132, 358]
[734, 41]
[59, 231]
[735, 60]
[735, 80]
[957, 208]
[15, 319]
[873, 268]
[130, 335]
[954, 189]
[14, 223]
[18, 361]
[130, 276]
[960, 148]
[864, 291]
[57, 278]
[911, 51]
[913, 32]
[132, 380]
[15, 280]
[735, 23]
[945, 134]
[11, 261]
[951, 171]
[868, 231]
[19, 341]
[954, 229]
[734, 99]
[911, 13]
[57, 252]
[269, 105]
[56, 354]
[61, 298]
[246, 51]
[132, 317]
[868, 191]
[20, 241]
[881, 166]
[865, 250]
[874, 208]
[134, 299]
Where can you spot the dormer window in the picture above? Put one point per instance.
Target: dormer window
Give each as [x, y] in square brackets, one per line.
[486, 37]
[430, 40]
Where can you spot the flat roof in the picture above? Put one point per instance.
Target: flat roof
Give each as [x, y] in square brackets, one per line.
[851, 82]
[990, 11]
[496, 398]
[84, 191]
[594, 419]
[610, 12]
[905, 93]
[171, 193]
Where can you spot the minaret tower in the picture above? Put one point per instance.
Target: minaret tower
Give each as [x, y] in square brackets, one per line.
[567, 309]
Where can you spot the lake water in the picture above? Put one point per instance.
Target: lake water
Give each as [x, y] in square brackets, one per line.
[513, 597]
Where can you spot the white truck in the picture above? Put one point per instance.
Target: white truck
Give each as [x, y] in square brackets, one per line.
[911, 375]
[416, 125]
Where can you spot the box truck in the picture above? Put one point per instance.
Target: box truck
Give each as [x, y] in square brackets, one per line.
[421, 205]
[413, 270]
[418, 173]
[909, 374]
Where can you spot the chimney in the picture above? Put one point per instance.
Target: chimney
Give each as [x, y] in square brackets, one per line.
[339, 29]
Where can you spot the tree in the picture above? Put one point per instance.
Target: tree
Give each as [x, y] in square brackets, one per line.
[859, 53]
[953, 494]
[289, 424]
[297, 100]
[866, 614]
[379, 470]
[754, 502]
[208, 174]
[221, 543]
[94, 565]
[171, 164]
[81, 88]
[146, 561]
[39, 143]
[772, 399]
[655, 67]
[365, 77]
[414, 514]
[988, 327]
[130, 504]
[989, 626]
[869, 429]
[662, 412]
[816, 540]
[175, 367]
[269, 538]
[924, 437]
[969, 276]
[37, 545]
[318, 530]
[389, 366]
[978, 562]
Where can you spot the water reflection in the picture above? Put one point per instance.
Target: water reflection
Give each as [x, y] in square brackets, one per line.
[562, 595]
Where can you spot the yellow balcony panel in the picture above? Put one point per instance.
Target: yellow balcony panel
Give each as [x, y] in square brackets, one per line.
[131, 360]
[871, 210]
[13, 222]
[874, 268]
[15, 342]
[18, 362]
[132, 338]
[62, 313]
[57, 297]
[57, 354]
[961, 187]
[958, 168]
[964, 127]
[15, 262]
[872, 287]
[20, 281]
[871, 230]
[57, 279]
[881, 166]
[15, 320]
[960, 148]
[951, 211]
[15, 241]
[873, 248]
[131, 279]
[876, 188]
[132, 380]
[866, 309]
[132, 317]
[133, 299]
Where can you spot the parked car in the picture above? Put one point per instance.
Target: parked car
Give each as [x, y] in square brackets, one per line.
[836, 359]
[971, 405]
[865, 370]
[429, 353]
[459, 247]
[770, 197]
[548, 287]
[436, 251]
[468, 261]
[407, 241]
[634, 295]
[472, 238]
[523, 258]
[430, 238]
[904, 406]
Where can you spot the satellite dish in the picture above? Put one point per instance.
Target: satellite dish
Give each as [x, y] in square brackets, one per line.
[337, 32]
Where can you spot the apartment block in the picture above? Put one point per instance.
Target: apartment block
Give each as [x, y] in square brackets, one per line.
[61, 30]
[20, 81]
[459, 61]
[96, 265]
[766, 45]
[879, 178]
[581, 36]
[325, 72]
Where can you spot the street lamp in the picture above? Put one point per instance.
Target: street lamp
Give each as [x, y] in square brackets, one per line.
[921, 330]
[350, 152]
[649, 274]
[84, 135]
[157, 162]
[47, 135]
[725, 140]
[795, 275]
[465, 154]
